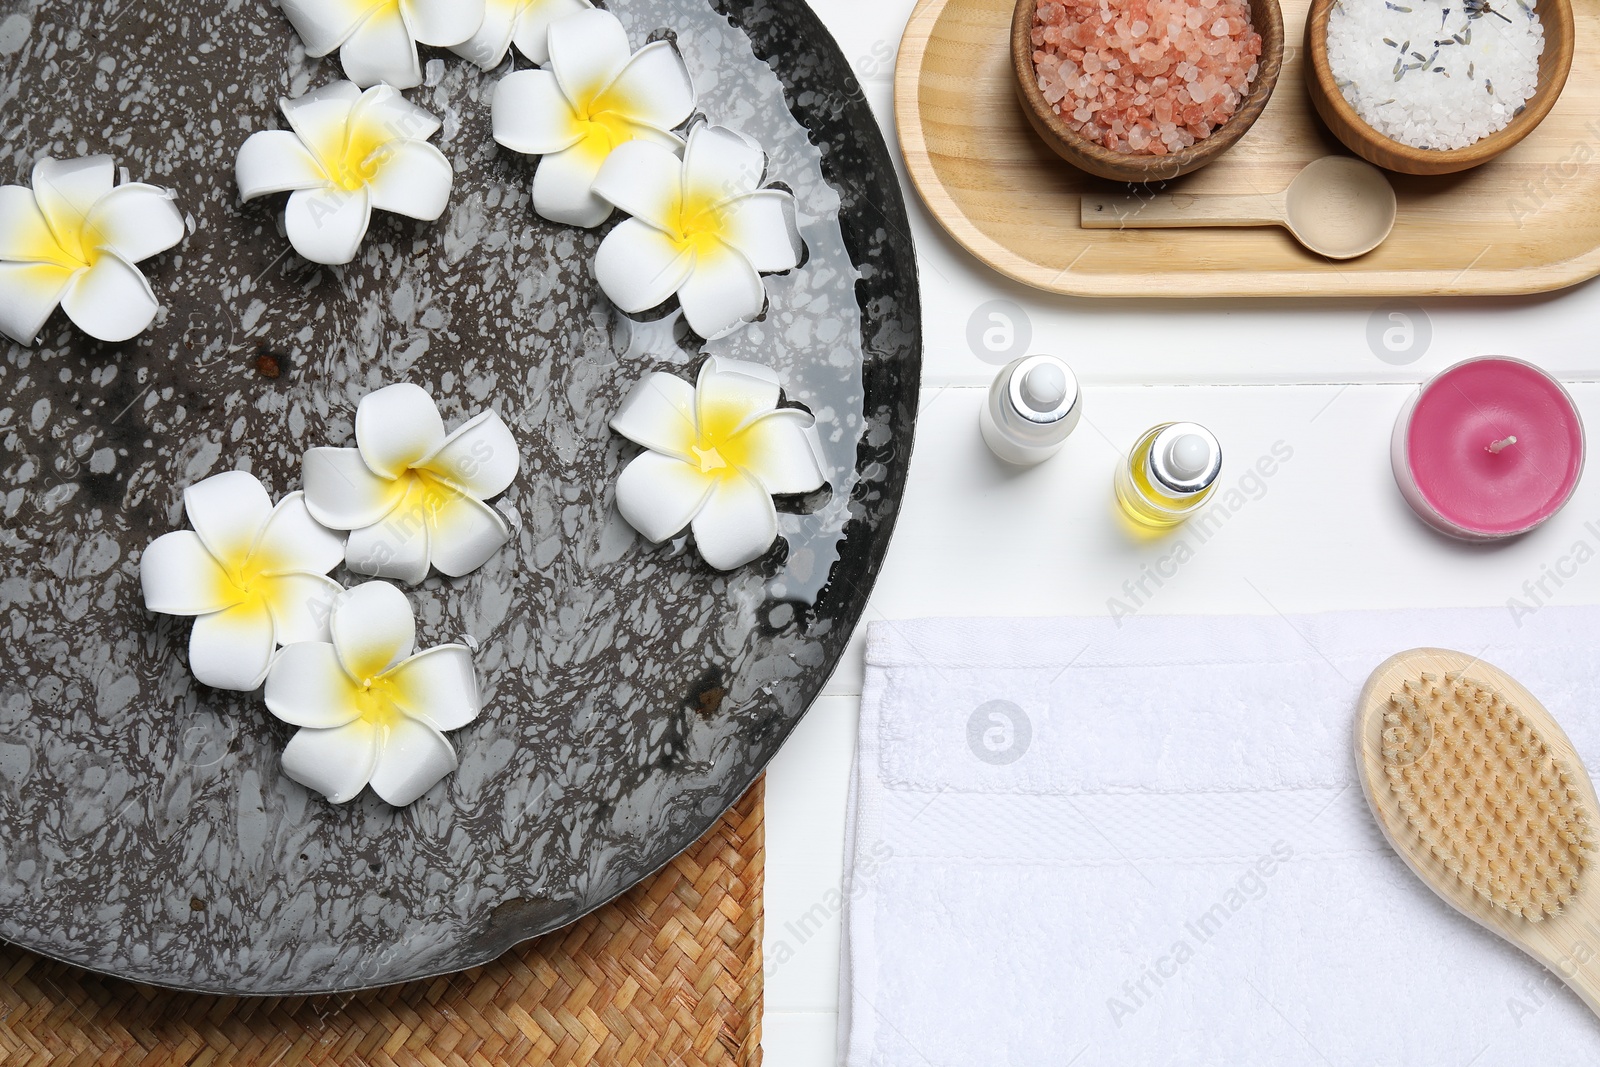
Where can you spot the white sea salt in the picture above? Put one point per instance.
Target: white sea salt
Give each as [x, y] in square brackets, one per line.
[1435, 74]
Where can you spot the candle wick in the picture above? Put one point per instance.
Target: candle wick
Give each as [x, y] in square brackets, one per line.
[1503, 444]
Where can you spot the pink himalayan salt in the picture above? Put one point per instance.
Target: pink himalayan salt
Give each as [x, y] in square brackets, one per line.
[1145, 76]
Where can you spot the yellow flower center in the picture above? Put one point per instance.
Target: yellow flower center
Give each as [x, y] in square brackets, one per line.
[78, 245]
[365, 148]
[602, 129]
[375, 700]
[700, 224]
[247, 579]
[710, 459]
[720, 447]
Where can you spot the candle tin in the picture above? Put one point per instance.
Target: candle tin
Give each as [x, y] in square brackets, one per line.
[1501, 440]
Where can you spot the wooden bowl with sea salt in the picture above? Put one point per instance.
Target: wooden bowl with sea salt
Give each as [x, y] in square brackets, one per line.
[1346, 123]
[1266, 19]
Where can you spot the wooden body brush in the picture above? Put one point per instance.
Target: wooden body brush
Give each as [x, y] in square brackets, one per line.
[1480, 792]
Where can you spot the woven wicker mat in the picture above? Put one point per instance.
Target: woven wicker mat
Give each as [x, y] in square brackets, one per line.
[669, 975]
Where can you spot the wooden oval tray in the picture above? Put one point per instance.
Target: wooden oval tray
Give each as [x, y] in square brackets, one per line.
[1523, 223]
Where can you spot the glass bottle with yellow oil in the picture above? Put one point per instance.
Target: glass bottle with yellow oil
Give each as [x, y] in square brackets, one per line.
[1170, 473]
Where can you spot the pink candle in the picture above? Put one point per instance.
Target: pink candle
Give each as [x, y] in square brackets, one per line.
[1488, 448]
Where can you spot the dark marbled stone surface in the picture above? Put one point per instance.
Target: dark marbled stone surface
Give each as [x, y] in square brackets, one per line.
[633, 693]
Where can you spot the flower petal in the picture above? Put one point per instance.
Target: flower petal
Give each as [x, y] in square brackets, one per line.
[293, 541]
[659, 413]
[313, 111]
[531, 115]
[111, 300]
[382, 49]
[443, 23]
[324, 24]
[722, 293]
[638, 131]
[561, 187]
[749, 389]
[327, 225]
[300, 604]
[415, 758]
[342, 493]
[658, 495]
[762, 227]
[653, 89]
[321, 119]
[373, 629]
[645, 180]
[439, 686]
[66, 189]
[276, 161]
[782, 451]
[228, 511]
[463, 533]
[587, 52]
[135, 221]
[396, 426]
[487, 47]
[29, 293]
[532, 29]
[308, 686]
[397, 545]
[232, 649]
[738, 524]
[25, 236]
[180, 576]
[639, 267]
[480, 456]
[337, 763]
[413, 179]
[382, 114]
[720, 163]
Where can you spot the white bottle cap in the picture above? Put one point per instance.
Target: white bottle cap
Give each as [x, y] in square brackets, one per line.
[1037, 395]
[1044, 387]
[1188, 456]
[1185, 458]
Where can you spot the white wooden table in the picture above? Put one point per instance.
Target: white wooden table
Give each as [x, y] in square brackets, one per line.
[1327, 531]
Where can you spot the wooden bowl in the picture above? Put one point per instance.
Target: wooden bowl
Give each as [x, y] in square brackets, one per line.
[1374, 147]
[1084, 154]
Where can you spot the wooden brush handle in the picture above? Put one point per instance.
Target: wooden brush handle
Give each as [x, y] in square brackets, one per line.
[1570, 949]
[1132, 212]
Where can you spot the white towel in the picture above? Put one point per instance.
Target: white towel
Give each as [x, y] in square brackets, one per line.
[1078, 842]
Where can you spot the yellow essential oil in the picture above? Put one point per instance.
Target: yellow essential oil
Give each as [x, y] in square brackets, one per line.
[1169, 475]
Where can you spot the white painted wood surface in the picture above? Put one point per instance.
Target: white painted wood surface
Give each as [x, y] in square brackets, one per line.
[1326, 530]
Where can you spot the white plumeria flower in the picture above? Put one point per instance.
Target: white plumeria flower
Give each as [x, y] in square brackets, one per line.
[370, 711]
[72, 241]
[702, 227]
[594, 97]
[253, 575]
[717, 452]
[377, 39]
[348, 152]
[525, 23]
[411, 496]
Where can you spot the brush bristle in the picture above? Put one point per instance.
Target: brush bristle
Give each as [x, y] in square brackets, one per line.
[1485, 796]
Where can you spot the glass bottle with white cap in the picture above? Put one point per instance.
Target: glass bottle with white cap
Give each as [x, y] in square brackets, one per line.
[1170, 472]
[1031, 408]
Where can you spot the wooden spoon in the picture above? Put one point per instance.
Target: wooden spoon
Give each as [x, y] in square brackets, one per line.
[1336, 206]
[1565, 940]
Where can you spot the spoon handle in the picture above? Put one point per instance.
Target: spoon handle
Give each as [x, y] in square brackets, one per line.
[1134, 212]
